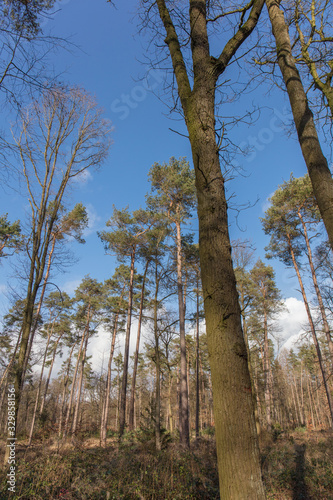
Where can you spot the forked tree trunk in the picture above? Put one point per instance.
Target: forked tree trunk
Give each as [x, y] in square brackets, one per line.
[235, 427]
[315, 160]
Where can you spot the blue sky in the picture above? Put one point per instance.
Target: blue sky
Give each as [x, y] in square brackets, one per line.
[107, 63]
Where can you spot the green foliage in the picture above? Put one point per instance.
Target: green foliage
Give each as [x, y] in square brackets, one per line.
[10, 236]
[174, 184]
[24, 16]
[292, 200]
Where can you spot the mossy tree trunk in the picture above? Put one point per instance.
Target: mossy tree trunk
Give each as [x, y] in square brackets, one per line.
[236, 436]
[315, 160]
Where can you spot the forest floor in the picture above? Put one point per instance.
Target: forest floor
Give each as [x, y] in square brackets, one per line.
[296, 465]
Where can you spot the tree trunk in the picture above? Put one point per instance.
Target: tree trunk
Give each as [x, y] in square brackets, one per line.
[317, 290]
[236, 436]
[66, 378]
[40, 384]
[49, 375]
[105, 412]
[314, 334]
[267, 372]
[83, 360]
[183, 388]
[197, 374]
[70, 402]
[315, 160]
[136, 356]
[122, 410]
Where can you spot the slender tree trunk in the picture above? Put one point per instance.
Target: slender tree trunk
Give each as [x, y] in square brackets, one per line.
[40, 303]
[40, 384]
[316, 162]
[136, 356]
[42, 403]
[71, 396]
[157, 365]
[183, 388]
[317, 290]
[197, 373]
[267, 371]
[66, 378]
[105, 412]
[314, 334]
[122, 410]
[79, 391]
[310, 404]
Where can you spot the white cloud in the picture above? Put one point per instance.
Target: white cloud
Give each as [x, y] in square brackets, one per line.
[83, 178]
[94, 219]
[291, 322]
[70, 286]
[266, 204]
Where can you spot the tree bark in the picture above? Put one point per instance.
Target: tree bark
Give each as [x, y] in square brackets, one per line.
[183, 388]
[236, 436]
[136, 356]
[197, 373]
[267, 371]
[105, 412]
[122, 410]
[314, 335]
[66, 378]
[317, 290]
[315, 160]
[40, 384]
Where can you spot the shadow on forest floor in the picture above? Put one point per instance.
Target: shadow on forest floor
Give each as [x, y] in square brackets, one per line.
[297, 466]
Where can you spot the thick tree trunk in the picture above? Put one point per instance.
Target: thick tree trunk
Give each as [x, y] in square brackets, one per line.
[235, 428]
[316, 162]
[122, 410]
[236, 433]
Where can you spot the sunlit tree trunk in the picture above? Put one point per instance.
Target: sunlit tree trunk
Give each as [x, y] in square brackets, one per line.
[314, 335]
[136, 355]
[122, 409]
[315, 160]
